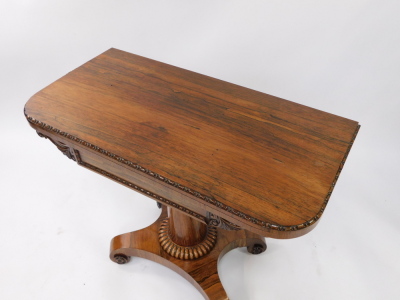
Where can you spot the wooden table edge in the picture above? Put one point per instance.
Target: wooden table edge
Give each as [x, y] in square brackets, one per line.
[262, 227]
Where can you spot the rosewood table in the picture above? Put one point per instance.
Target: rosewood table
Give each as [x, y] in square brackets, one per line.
[227, 165]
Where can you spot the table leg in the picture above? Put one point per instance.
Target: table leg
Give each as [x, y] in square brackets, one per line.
[201, 271]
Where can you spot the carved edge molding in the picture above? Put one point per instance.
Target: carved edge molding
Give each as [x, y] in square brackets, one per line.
[182, 252]
[138, 188]
[74, 155]
[205, 198]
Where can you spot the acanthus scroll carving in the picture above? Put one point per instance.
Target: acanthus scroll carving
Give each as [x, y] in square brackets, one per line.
[216, 221]
[60, 145]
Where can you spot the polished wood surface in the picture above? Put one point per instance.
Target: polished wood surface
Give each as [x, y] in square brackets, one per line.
[195, 143]
[227, 164]
[185, 230]
[185, 238]
[202, 272]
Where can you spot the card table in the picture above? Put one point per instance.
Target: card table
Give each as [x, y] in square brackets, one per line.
[227, 165]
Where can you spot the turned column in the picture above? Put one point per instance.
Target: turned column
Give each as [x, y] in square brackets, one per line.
[184, 237]
[184, 230]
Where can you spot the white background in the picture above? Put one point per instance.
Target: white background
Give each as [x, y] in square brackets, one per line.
[56, 219]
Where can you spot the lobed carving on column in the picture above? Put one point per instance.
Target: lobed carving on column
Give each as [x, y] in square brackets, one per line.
[184, 252]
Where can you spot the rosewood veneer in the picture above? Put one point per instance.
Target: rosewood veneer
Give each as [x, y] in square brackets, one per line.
[227, 165]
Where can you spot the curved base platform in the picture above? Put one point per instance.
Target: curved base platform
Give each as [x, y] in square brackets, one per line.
[201, 272]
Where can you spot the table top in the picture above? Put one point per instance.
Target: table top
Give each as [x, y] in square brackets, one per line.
[264, 161]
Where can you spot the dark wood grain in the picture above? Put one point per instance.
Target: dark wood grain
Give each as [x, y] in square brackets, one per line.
[196, 143]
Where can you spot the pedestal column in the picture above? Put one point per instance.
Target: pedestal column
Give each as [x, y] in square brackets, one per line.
[184, 230]
[184, 237]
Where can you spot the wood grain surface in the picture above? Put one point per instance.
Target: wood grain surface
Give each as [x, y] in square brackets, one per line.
[263, 163]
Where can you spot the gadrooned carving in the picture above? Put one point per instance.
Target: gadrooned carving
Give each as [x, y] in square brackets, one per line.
[182, 252]
[210, 200]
